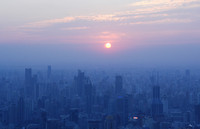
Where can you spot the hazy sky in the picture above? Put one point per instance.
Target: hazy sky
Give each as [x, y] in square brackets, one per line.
[59, 32]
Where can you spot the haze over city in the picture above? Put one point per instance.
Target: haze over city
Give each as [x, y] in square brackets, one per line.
[99, 64]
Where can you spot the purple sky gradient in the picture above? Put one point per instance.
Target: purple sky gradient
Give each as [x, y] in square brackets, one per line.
[84, 27]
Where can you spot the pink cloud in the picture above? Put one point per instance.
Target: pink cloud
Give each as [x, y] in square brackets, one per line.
[75, 28]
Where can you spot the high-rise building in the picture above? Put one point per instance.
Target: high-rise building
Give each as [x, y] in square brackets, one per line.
[43, 118]
[49, 71]
[118, 85]
[73, 114]
[187, 77]
[79, 83]
[165, 104]
[197, 113]
[31, 86]
[88, 95]
[94, 124]
[13, 113]
[33, 126]
[28, 76]
[157, 106]
[122, 110]
[53, 124]
[28, 82]
[156, 92]
[110, 122]
[34, 87]
[21, 110]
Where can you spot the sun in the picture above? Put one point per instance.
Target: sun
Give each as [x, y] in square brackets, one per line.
[108, 45]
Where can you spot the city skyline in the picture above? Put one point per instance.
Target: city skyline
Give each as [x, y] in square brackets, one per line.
[99, 64]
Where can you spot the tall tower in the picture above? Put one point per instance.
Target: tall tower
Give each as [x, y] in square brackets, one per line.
[79, 83]
[28, 76]
[21, 110]
[49, 71]
[157, 106]
[165, 104]
[88, 95]
[122, 109]
[156, 92]
[110, 122]
[28, 82]
[118, 85]
[197, 113]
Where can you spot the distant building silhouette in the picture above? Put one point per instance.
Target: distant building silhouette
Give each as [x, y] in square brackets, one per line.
[94, 124]
[28, 76]
[31, 86]
[110, 122]
[79, 83]
[122, 110]
[157, 106]
[73, 114]
[197, 113]
[49, 71]
[53, 124]
[21, 110]
[165, 104]
[88, 95]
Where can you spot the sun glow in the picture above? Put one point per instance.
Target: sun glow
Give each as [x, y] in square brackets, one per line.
[108, 45]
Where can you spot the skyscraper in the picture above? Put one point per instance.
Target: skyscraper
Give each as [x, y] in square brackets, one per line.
[88, 95]
[79, 83]
[28, 76]
[28, 82]
[110, 122]
[197, 113]
[165, 104]
[156, 92]
[73, 115]
[94, 124]
[157, 106]
[21, 110]
[31, 86]
[122, 109]
[49, 71]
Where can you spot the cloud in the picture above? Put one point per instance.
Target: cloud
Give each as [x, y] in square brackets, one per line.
[75, 28]
[162, 2]
[107, 36]
[150, 12]
[46, 23]
[96, 18]
[161, 21]
[152, 6]
[142, 9]
[99, 18]
[144, 12]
